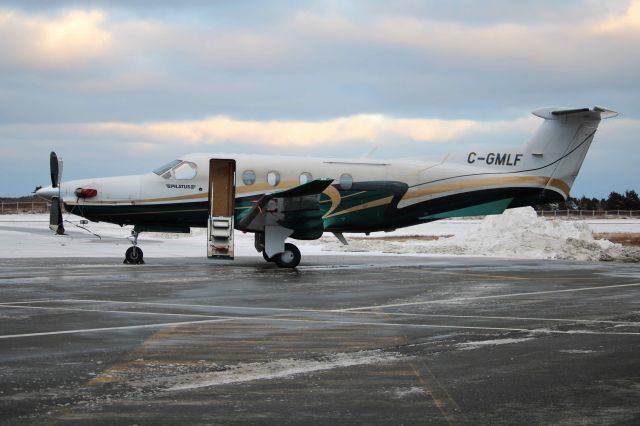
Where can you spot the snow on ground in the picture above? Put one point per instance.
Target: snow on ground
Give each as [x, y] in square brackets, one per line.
[282, 368]
[28, 235]
[518, 233]
[469, 346]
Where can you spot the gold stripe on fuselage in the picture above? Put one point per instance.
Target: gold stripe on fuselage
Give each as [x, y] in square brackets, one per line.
[367, 205]
[466, 185]
[334, 196]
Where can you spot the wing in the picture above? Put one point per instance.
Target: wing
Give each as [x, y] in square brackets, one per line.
[295, 208]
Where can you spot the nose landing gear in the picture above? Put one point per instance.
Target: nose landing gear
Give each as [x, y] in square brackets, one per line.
[134, 255]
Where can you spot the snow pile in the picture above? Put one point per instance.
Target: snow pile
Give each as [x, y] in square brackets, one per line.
[517, 233]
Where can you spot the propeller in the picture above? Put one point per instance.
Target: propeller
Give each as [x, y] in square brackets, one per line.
[55, 214]
[55, 165]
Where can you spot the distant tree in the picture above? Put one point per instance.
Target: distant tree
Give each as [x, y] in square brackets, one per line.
[586, 203]
[632, 202]
[597, 204]
[616, 201]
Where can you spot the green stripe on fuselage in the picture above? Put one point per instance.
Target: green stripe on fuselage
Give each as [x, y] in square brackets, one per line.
[492, 207]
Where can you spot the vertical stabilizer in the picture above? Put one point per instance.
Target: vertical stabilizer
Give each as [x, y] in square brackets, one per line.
[560, 144]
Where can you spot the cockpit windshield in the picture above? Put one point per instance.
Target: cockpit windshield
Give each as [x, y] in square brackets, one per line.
[162, 169]
[177, 169]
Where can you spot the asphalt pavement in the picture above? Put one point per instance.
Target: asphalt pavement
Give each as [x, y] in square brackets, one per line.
[352, 339]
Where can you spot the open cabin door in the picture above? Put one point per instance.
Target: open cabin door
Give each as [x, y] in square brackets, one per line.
[222, 194]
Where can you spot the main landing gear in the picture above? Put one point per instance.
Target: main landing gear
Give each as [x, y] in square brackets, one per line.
[288, 258]
[134, 255]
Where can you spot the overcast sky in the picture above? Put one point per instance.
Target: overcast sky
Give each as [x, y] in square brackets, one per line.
[120, 87]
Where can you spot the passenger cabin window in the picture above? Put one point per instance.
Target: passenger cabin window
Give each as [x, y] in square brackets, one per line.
[249, 177]
[273, 178]
[178, 169]
[305, 177]
[346, 181]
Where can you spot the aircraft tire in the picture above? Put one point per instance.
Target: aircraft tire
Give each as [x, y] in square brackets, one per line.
[267, 258]
[290, 258]
[133, 256]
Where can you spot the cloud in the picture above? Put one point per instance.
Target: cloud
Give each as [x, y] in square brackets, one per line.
[359, 128]
[75, 38]
[628, 22]
[583, 46]
[377, 129]
[312, 62]
[304, 39]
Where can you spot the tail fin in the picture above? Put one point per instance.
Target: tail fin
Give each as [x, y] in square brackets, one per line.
[560, 145]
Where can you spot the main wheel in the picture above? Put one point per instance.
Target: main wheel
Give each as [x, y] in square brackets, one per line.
[290, 258]
[267, 258]
[133, 255]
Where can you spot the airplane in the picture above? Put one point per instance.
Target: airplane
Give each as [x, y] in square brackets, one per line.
[279, 198]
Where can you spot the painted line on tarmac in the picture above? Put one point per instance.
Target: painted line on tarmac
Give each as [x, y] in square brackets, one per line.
[255, 319]
[28, 301]
[126, 327]
[447, 326]
[328, 322]
[176, 305]
[301, 310]
[57, 308]
[622, 323]
[495, 296]
[406, 314]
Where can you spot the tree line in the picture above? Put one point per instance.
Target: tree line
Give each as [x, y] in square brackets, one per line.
[616, 201]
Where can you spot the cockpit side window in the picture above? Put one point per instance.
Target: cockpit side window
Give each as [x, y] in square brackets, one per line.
[178, 169]
[185, 170]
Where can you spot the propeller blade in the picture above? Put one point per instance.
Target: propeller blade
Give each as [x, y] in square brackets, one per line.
[55, 216]
[55, 165]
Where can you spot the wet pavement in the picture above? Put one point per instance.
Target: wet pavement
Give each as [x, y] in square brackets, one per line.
[353, 339]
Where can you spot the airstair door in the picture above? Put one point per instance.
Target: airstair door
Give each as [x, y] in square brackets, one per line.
[222, 193]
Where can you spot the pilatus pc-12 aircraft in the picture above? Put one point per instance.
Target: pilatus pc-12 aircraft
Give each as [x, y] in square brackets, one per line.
[277, 198]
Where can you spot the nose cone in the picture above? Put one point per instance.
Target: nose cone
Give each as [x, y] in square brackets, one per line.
[48, 193]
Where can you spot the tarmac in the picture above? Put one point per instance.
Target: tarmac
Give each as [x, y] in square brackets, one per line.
[342, 340]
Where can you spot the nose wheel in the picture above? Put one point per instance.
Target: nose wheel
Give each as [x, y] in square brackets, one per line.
[134, 255]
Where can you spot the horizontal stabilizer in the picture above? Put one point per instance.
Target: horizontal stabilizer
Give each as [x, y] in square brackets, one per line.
[554, 113]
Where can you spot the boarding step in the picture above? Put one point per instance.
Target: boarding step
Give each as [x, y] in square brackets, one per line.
[220, 238]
